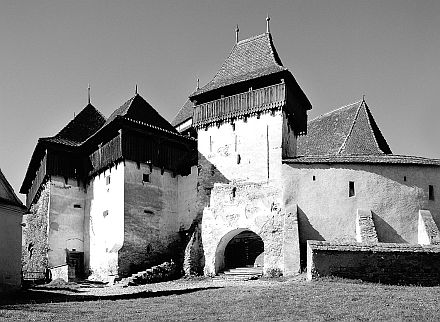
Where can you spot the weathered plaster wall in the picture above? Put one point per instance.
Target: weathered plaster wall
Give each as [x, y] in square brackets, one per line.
[10, 247]
[382, 262]
[245, 160]
[35, 233]
[151, 222]
[326, 212]
[66, 219]
[250, 152]
[255, 207]
[106, 221]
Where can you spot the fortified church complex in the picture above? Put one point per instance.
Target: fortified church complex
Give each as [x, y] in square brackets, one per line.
[239, 178]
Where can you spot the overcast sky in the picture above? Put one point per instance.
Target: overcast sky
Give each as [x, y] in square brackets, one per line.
[338, 50]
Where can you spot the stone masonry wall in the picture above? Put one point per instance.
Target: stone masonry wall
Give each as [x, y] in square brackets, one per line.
[237, 208]
[384, 262]
[365, 229]
[35, 234]
[428, 230]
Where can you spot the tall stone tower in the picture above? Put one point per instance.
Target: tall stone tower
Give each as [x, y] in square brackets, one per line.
[247, 119]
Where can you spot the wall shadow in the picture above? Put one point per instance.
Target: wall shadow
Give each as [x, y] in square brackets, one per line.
[38, 297]
[306, 231]
[386, 233]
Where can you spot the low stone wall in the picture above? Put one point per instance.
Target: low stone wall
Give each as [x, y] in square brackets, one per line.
[387, 263]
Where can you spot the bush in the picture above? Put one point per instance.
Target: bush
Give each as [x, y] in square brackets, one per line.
[274, 272]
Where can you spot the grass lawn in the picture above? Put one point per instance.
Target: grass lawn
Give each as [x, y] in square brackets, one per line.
[274, 301]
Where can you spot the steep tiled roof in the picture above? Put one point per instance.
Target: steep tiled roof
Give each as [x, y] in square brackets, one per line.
[7, 194]
[250, 58]
[349, 130]
[87, 122]
[138, 109]
[378, 159]
[185, 113]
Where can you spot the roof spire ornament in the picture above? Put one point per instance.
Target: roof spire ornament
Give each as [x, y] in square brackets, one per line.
[198, 83]
[88, 94]
[236, 34]
[136, 90]
[267, 24]
[363, 97]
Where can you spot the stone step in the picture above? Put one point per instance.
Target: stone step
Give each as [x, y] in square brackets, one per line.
[222, 276]
[244, 271]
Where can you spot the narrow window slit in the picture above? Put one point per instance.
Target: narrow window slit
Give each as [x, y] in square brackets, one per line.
[351, 192]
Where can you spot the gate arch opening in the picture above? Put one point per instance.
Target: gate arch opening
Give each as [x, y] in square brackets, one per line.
[239, 248]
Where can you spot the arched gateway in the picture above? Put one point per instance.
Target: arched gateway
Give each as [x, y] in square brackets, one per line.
[239, 248]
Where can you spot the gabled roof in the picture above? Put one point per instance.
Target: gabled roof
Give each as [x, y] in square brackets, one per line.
[7, 194]
[83, 125]
[250, 58]
[349, 130]
[185, 113]
[138, 109]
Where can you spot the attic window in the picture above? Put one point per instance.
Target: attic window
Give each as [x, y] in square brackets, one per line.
[145, 177]
[431, 192]
[107, 180]
[351, 192]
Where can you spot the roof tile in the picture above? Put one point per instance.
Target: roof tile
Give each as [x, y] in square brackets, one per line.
[185, 113]
[349, 130]
[138, 109]
[250, 58]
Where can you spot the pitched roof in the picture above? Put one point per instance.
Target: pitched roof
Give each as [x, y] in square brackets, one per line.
[83, 125]
[7, 194]
[377, 159]
[185, 113]
[138, 109]
[250, 58]
[349, 130]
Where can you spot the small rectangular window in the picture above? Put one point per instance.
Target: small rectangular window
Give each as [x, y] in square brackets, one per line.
[107, 180]
[431, 192]
[76, 206]
[351, 192]
[314, 178]
[404, 178]
[145, 177]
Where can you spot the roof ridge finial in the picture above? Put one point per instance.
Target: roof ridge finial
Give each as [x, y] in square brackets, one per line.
[136, 90]
[267, 24]
[363, 98]
[88, 93]
[198, 83]
[236, 34]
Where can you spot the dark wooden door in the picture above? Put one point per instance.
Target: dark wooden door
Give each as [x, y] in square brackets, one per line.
[75, 261]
